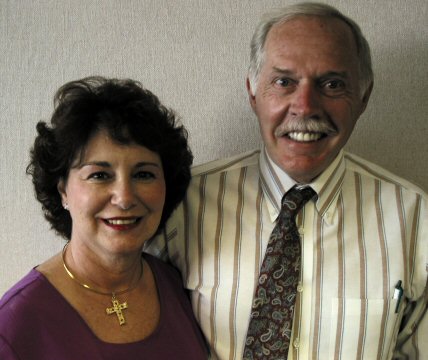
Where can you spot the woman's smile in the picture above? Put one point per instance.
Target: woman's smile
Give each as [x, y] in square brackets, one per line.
[122, 224]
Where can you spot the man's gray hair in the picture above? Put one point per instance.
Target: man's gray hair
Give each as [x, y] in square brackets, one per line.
[306, 9]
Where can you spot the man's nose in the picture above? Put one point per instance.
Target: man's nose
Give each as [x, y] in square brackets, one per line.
[123, 194]
[306, 101]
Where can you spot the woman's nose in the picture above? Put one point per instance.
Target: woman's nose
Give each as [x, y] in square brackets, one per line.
[123, 195]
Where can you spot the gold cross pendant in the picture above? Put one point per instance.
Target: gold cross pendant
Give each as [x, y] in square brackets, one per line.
[117, 308]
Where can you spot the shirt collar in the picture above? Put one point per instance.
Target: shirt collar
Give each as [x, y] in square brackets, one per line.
[275, 183]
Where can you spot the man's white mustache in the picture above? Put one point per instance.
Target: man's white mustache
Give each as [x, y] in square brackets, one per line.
[305, 125]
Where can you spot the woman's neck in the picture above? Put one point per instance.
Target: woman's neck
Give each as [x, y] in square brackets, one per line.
[102, 271]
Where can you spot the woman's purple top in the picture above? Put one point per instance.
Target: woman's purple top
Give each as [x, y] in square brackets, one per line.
[36, 322]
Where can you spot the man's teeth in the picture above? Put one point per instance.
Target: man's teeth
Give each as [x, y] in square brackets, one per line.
[304, 136]
[122, 221]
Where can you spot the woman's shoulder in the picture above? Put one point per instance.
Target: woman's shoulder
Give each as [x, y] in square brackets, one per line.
[18, 303]
[161, 268]
[168, 278]
[18, 292]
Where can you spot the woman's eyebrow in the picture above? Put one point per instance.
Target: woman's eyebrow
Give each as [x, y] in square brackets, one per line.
[104, 164]
[147, 163]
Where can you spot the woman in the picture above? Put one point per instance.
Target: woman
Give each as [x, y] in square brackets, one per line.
[108, 171]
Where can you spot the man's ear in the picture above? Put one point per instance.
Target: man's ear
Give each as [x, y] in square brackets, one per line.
[251, 96]
[366, 97]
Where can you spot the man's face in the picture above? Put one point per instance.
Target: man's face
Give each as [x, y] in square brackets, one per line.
[308, 97]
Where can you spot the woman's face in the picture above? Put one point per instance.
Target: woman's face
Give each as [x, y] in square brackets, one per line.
[115, 194]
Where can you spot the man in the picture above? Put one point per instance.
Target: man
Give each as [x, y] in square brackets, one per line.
[364, 236]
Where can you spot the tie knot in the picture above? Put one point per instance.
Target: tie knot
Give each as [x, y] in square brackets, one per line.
[296, 198]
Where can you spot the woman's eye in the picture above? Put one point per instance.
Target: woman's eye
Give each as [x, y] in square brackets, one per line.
[99, 176]
[144, 175]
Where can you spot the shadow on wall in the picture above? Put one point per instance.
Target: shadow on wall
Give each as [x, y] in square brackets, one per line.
[232, 128]
[392, 132]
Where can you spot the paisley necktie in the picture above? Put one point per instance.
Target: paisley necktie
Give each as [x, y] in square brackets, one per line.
[269, 331]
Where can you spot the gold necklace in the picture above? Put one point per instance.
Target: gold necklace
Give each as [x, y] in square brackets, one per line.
[117, 306]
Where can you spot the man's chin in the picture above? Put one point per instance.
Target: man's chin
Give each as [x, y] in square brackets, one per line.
[303, 168]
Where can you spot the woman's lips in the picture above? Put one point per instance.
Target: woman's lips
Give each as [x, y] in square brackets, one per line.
[122, 223]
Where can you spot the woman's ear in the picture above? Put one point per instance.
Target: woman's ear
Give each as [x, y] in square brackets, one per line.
[62, 191]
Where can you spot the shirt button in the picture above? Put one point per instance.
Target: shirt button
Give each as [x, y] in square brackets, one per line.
[301, 230]
[296, 343]
[299, 287]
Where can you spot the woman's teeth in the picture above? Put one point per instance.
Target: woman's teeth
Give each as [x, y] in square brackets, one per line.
[122, 221]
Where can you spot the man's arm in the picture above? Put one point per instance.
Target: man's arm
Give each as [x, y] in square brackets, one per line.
[412, 340]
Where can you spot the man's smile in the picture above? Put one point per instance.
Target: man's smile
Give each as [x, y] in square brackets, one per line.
[301, 136]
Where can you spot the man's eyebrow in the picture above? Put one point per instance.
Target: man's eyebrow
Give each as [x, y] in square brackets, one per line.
[342, 74]
[283, 71]
[288, 72]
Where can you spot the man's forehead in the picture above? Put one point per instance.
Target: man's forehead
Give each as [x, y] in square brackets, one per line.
[312, 28]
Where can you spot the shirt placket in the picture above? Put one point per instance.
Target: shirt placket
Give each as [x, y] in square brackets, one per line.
[299, 348]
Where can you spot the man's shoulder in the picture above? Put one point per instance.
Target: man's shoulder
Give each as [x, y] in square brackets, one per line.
[250, 158]
[368, 169]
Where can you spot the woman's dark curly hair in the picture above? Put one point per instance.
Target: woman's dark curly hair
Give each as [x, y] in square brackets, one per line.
[130, 114]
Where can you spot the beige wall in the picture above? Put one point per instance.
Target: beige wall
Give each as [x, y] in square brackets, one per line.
[193, 54]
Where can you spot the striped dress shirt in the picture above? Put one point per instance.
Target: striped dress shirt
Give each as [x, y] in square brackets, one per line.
[367, 230]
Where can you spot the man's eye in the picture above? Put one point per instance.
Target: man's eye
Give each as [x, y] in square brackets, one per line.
[284, 82]
[334, 85]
